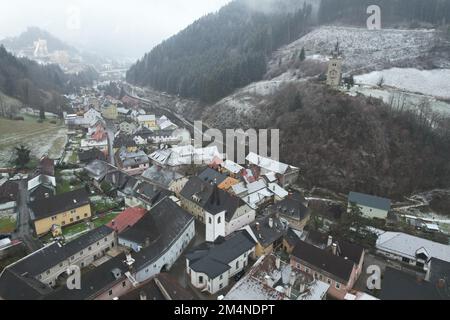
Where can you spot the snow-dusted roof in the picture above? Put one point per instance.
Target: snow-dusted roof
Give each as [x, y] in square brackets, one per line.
[232, 166]
[406, 245]
[239, 188]
[268, 164]
[146, 117]
[278, 191]
[271, 177]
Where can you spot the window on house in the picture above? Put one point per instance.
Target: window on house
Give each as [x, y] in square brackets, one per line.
[78, 217]
[106, 239]
[200, 279]
[110, 292]
[81, 253]
[90, 248]
[219, 220]
[329, 281]
[124, 284]
[338, 285]
[60, 264]
[221, 277]
[85, 215]
[237, 264]
[48, 272]
[71, 219]
[209, 220]
[221, 286]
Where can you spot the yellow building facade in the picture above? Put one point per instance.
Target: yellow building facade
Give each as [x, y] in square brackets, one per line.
[44, 225]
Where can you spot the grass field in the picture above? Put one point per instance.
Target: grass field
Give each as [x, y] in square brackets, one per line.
[7, 225]
[41, 138]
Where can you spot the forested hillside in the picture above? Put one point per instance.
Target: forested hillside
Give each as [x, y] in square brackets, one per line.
[222, 51]
[37, 85]
[393, 12]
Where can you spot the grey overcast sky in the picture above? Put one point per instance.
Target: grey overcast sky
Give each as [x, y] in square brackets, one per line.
[126, 28]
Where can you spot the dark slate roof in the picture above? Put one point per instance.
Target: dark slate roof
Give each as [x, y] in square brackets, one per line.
[124, 141]
[161, 176]
[265, 234]
[15, 287]
[397, 285]
[350, 250]
[291, 237]
[52, 255]
[9, 191]
[211, 198]
[96, 281]
[153, 292]
[324, 260]
[291, 208]
[151, 193]
[90, 155]
[170, 221]
[117, 179]
[44, 208]
[143, 230]
[212, 176]
[317, 238]
[440, 276]
[220, 201]
[41, 191]
[214, 261]
[369, 201]
[97, 169]
[195, 186]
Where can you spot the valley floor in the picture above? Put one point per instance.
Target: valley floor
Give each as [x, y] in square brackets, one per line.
[41, 138]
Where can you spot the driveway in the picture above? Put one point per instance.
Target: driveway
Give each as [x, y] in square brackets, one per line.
[24, 231]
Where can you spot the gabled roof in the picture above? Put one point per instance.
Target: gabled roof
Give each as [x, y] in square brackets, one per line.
[170, 221]
[127, 219]
[406, 245]
[268, 164]
[51, 255]
[334, 265]
[211, 198]
[90, 155]
[9, 191]
[161, 176]
[291, 208]
[96, 281]
[397, 285]
[369, 201]
[212, 176]
[48, 207]
[266, 234]
[15, 287]
[215, 260]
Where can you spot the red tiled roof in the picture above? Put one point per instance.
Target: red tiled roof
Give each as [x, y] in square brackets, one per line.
[126, 219]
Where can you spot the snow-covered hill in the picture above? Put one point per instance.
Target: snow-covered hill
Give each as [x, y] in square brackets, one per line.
[364, 50]
[434, 83]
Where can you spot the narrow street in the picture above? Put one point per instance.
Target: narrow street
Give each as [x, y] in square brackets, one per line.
[111, 130]
[24, 231]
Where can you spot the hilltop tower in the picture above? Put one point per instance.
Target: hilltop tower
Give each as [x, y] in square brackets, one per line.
[334, 74]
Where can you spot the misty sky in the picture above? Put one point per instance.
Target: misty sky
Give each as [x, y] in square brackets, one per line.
[126, 28]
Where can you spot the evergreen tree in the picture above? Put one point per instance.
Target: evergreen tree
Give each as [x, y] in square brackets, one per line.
[302, 55]
[22, 156]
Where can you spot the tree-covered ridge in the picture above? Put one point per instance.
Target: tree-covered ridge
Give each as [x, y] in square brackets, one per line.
[219, 52]
[35, 84]
[393, 12]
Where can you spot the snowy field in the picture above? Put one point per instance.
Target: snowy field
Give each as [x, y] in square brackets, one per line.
[434, 83]
[41, 139]
[363, 49]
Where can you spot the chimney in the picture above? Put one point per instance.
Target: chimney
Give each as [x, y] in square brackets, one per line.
[334, 249]
[142, 295]
[292, 278]
[302, 287]
[330, 241]
[269, 281]
[441, 284]
[288, 291]
[278, 263]
[271, 222]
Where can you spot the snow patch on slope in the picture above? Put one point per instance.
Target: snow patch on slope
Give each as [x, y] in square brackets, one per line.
[434, 83]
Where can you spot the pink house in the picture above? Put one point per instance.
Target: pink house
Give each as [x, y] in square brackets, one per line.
[339, 265]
